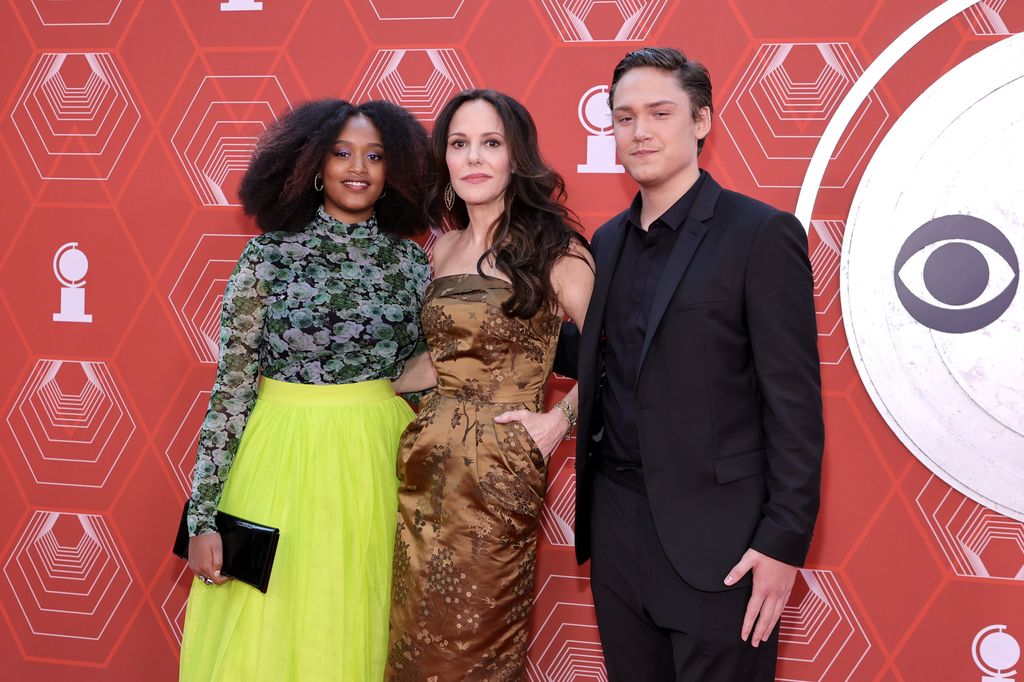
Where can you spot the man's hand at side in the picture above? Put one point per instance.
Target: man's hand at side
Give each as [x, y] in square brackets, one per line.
[773, 581]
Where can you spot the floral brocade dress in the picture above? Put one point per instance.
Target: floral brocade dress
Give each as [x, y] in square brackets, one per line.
[470, 490]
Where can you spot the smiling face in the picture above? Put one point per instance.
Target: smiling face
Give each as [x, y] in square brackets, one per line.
[354, 171]
[655, 132]
[477, 155]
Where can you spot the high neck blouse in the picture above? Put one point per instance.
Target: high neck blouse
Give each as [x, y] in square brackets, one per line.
[335, 303]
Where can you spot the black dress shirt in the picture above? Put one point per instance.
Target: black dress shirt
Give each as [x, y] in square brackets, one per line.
[631, 293]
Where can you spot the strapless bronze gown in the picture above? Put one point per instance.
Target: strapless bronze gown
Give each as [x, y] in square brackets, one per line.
[471, 491]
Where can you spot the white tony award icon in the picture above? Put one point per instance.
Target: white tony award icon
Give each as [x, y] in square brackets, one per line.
[995, 652]
[241, 6]
[596, 117]
[70, 266]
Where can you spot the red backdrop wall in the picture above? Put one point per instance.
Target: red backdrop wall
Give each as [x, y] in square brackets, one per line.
[124, 129]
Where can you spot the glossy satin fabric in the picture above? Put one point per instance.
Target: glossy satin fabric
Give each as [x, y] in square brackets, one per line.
[471, 491]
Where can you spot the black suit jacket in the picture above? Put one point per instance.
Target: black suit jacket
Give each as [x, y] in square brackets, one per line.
[728, 390]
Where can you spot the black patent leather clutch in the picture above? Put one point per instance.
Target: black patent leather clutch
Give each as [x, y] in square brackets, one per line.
[249, 548]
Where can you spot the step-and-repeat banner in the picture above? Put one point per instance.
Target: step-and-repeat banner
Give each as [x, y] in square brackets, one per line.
[893, 128]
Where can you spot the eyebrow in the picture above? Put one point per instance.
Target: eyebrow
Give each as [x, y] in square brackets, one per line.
[353, 144]
[649, 105]
[459, 134]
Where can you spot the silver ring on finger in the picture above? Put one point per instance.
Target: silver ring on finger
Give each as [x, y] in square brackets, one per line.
[206, 581]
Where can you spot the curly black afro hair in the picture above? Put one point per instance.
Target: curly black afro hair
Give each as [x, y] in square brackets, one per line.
[277, 189]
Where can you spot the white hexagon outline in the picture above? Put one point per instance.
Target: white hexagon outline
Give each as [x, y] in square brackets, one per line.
[858, 93]
[36, 525]
[207, 191]
[170, 619]
[823, 585]
[47, 66]
[964, 554]
[455, 13]
[825, 260]
[985, 18]
[201, 398]
[43, 372]
[771, 57]
[385, 67]
[639, 17]
[206, 348]
[533, 669]
[42, 21]
[557, 518]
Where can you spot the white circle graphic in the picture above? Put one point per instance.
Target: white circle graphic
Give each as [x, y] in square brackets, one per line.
[999, 651]
[594, 113]
[70, 264]
[930, 278]
[995, 651]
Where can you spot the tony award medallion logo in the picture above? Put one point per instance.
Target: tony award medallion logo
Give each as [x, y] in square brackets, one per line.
[241, 6]
[70, 266]
[995, 652]
[596, 117]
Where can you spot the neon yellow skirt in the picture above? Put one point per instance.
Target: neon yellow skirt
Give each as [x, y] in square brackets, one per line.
[318, 462]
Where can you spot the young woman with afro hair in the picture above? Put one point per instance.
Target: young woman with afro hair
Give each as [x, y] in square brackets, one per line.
[320, 316]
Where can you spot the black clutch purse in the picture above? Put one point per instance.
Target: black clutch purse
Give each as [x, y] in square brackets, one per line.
[249, 548]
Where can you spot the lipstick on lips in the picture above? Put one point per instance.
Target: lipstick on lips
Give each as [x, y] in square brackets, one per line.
[476, 178]
[356, 185]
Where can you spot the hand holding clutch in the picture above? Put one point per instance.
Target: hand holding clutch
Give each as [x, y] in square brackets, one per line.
[248, 548]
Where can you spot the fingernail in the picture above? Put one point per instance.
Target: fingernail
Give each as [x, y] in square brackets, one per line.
[729, 580]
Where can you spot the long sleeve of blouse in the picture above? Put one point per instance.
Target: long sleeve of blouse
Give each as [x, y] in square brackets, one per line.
[333, 304]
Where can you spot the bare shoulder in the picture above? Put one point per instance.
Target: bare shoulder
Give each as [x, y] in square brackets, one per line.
[572, 277]
[442, 246]
[578, 263]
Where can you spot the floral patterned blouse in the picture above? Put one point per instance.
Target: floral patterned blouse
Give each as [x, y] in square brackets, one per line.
[333, 304]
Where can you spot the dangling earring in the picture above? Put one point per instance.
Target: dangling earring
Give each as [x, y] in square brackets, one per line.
[383, 194]
[318, 180]
[449, 196]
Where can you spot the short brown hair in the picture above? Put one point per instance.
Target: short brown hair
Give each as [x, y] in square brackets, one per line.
[693, 77]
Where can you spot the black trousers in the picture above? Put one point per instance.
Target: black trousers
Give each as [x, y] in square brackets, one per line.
[653, 625]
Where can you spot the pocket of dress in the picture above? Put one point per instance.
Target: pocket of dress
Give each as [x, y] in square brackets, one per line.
[520, 452]
[518, 482]
[535, 455]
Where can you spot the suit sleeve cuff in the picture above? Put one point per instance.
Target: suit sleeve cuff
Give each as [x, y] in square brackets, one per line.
[781, 544]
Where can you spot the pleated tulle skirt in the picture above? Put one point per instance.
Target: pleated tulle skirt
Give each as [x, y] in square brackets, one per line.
[318, 462]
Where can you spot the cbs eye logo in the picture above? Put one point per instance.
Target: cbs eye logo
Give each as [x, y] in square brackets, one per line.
[956, 274]
[930, 277]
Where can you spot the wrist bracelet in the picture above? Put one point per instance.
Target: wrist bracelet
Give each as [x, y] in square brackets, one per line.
[565, 408]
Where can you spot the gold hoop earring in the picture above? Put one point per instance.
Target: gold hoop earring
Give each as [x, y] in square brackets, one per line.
[318, 180]
[449, 196]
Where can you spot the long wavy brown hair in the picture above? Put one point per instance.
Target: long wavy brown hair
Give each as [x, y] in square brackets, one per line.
[535, 228]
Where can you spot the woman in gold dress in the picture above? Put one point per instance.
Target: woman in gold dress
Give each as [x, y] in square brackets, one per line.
[472, 467]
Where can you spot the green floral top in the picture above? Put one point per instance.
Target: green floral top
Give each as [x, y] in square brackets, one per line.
[333, 304]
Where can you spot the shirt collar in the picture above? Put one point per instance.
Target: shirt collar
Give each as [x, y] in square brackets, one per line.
[676, 214]
[325, 222]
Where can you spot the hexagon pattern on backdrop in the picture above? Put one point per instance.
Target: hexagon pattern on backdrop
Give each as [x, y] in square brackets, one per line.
[125, 130]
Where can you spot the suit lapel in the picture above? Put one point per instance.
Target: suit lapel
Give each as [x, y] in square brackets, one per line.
[691, 234]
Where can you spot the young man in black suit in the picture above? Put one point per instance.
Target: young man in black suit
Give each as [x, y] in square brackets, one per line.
[700, 428]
